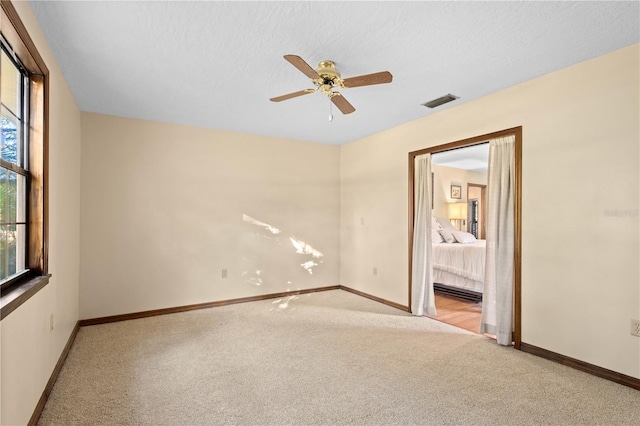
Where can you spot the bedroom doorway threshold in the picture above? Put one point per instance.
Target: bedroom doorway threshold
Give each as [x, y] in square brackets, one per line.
[457, 312]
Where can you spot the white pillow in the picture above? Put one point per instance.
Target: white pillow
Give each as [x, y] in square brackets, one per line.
[445, 224]
[436, 238]
[435, 224]
[448, 237]
[463, 237]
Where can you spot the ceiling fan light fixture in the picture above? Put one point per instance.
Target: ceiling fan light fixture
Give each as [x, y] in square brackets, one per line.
[326, 78]
[441, 101]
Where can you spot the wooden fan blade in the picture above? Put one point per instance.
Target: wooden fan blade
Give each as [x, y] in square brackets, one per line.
[343, 105]
[292, 95]
[369, 79]
[299, 63]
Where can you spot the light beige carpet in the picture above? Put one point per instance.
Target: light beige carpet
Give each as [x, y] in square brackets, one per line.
[326, 358]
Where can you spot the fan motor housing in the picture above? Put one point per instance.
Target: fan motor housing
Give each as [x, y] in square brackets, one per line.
[327, 70]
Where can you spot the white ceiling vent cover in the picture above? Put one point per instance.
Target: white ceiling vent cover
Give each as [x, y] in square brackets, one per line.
[440, 101]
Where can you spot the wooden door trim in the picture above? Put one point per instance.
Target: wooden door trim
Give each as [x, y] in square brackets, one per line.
[483, 205]
[477, 140]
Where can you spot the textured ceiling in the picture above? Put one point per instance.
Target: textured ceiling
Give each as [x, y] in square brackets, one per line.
[216, 64]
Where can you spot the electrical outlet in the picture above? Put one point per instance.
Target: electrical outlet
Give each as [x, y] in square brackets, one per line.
[224, 273]
[635, 327]
[375, 271]
[362, 221]
[50, 322]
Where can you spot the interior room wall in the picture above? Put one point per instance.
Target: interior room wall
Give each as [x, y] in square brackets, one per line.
[443, 178]
[29, 350]
[165, 208]
[580, 203]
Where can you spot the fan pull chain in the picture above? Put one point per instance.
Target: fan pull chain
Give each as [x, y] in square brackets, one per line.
[330, 114]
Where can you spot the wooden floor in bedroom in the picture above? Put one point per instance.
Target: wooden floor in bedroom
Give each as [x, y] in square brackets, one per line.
[458, 312]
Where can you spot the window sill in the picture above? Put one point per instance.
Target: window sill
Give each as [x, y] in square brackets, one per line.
[19, 293]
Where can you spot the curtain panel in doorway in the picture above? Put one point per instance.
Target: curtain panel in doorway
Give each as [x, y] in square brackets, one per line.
[422, 297]
[497, 300]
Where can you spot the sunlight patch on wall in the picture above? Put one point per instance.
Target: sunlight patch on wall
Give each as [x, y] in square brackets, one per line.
[277, 252]
[304, 248]
[308, 266]
[252, 279]
[256, 222]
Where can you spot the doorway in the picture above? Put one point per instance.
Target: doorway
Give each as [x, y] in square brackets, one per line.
[458, 295]
[476, 210]
[517, 134]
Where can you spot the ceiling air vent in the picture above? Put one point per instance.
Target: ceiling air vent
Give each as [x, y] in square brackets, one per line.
[440, 101]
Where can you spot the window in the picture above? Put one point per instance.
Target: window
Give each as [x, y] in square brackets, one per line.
[23, 164]
[14, 102]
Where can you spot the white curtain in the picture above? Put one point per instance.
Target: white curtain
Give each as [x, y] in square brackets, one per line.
[497, 300]
[422, 297]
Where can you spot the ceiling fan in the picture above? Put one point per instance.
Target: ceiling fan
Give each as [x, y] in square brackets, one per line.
[326, 78]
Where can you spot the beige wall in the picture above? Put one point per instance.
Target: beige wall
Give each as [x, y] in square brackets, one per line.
[156, 233]
[444, 177]
[580, 238]
[29, 350]
[166, 207]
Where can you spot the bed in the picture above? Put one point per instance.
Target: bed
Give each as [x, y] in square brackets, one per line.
[458, 268]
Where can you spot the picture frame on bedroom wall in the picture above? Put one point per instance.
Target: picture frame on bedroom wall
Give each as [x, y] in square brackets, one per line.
[456, 192]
